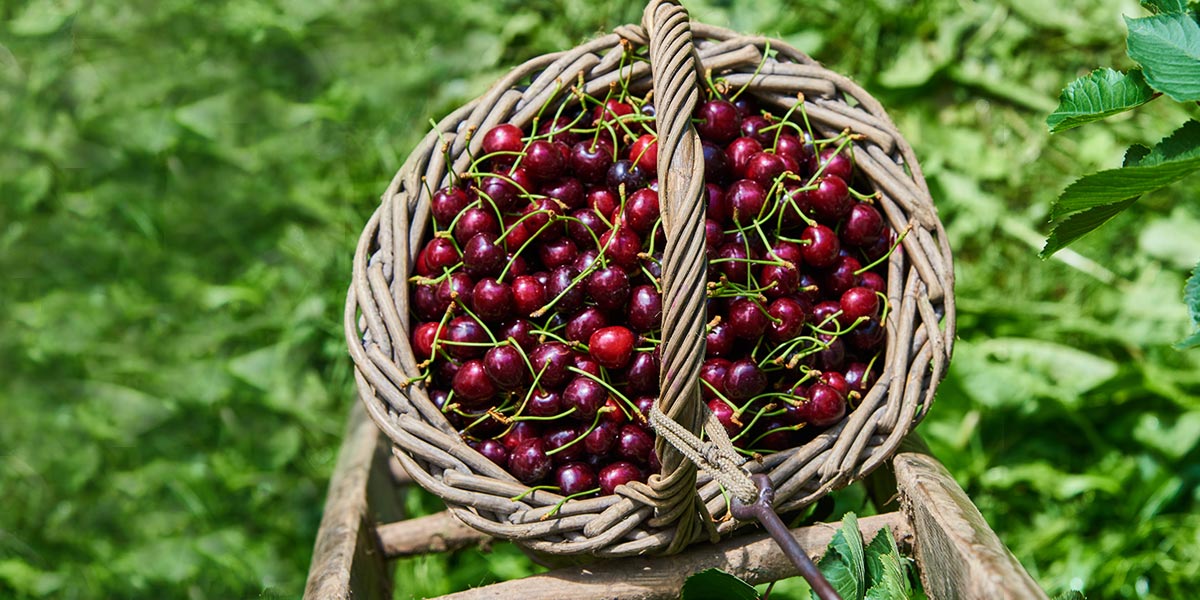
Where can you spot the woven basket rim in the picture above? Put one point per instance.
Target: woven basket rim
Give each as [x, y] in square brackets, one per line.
[920, 329]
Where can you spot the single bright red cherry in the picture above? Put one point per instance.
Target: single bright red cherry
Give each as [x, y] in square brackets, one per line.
[612, 347]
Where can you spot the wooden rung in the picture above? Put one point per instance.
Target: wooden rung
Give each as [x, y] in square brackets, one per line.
[959, 554]
[439, 532]
[753, 557]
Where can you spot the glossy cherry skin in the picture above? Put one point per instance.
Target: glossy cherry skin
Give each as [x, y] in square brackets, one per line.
[719, 121]
[562, 287]
[506, 367]
[716, 164]
[463, 338]
[585, 395]
[745, 199]
[617, 474]
[586, 322]
[825, 405]
[612, 347]
[503, 138]
[447, 203]
[779, 280]
[764, 168]
[837, 163]
[472, 386]
[644, 153]
[558, 443]
[552, 360]
[791, 317]
[739, 152]
[621, 246]
[608, 287]
[744, 380]
[634, 443]
[719, 340]
[642, 374]
[422, 339]
[493, 300]
[712, 372]
[726, 415]
[820, 247]
[544, 403]
[590, 161]
[493, 451]
[528, 295]
[521, 431]
[645, 308]
[603, 439]
[529, 462]
[642, 211]
[831, 200]
[747, 319]
[575, 478]
[863, 226]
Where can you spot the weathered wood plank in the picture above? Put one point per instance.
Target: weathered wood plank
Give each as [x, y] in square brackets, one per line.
[754, 557]
[439, 532]
[347, 562]
[959, 554]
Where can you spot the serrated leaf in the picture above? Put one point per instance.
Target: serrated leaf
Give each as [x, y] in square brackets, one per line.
[715, 584]
[1134, 155]
[1165, 6]
[836, 570]
[1100, 94]
[1191, 297]
[894, 583]
[1094, 199]
[1168, 48]
[1080, 224]
[880, 546]
[845, 560]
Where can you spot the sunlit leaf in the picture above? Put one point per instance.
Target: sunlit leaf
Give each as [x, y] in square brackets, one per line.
[1191, 296]
[1165, 6]
[1101, 94]
[1168, 48]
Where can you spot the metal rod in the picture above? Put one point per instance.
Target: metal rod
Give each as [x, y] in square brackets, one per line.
[764, 512]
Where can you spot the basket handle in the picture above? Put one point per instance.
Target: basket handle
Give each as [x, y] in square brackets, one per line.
[674, 67]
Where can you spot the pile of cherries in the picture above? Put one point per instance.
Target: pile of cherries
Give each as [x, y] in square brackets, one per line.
[538, 296]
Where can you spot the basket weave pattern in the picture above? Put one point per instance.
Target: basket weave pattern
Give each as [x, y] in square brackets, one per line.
[675, 507]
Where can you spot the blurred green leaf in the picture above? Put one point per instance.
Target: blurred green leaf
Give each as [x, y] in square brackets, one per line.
[41, 17]
[1100, 94]
[715, 584]
[1173, 239]
[1168, 48]
[1175, 440]
[1086, 221]
[1191, 296]
[1165, 6]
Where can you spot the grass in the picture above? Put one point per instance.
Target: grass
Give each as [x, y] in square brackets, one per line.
[181, 186]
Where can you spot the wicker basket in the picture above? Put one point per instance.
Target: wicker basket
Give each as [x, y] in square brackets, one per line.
[676, 507]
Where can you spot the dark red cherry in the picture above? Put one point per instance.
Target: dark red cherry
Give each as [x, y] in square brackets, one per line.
[837, 164]
[585, 227]
[472, 386]
[820, 246]
[521, 431]
[713, 373]
[789, 320]
[715, 210]
[590, 161]
[558, 443]
[493, 300]
[734, 262]
[575, 478]
[603, 439]
[642, 374]
[604, 201]
[779, 280]
[859, 302]
[566, 190]
[493, 451]
[745, 199]
[520, 331]
[825, 405]
[562, 286]
[446, 205]
[764, 168]
[719, 121]
[585, 395]
[528, 295]
[552, 360]
[739, 152]
[752, 127]
[504, 191]
[482, 257]
[621, 246]
[544, 403]
[617, 474]
[426, 304]
[830, 201]
[612, 347]
[542, 160]
[867, 336]
[464, 338]
[716, 165]
[873, 281]
[506, 367]
[611, 110]
[842, 277]
[719, 340]
[642, 211]
[836, 381]
[608, 287]
[747, 320]
[859, 377]
[475, 221]
[557, 253]
[503, 138]
[586, 322]
[624, 172]
[863, 226]
[726, 415]
[529, 462]
[792, 148]
[744, 380]
[634, 443]
[645, 308]
[422, 339]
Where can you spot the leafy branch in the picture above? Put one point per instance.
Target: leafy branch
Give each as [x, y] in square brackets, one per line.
[1166, 47]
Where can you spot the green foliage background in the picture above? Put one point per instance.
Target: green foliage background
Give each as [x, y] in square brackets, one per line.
[181, 186]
